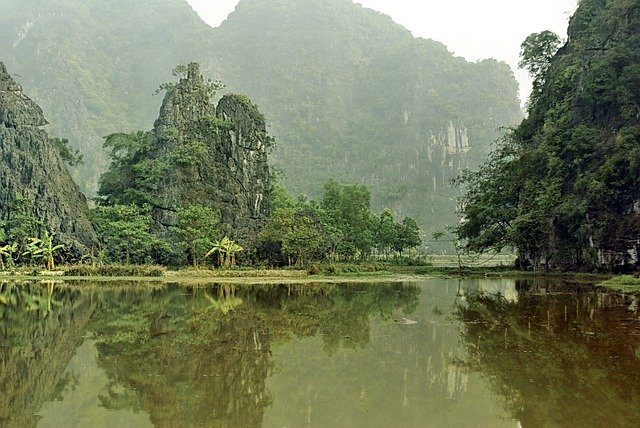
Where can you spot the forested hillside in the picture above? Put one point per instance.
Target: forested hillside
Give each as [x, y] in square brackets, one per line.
[349, 93]
[564, 187]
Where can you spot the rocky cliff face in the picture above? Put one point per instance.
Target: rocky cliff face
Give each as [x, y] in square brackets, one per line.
[218, 156]
[31, 167]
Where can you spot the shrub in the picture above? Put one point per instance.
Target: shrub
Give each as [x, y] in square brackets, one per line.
[115, 270]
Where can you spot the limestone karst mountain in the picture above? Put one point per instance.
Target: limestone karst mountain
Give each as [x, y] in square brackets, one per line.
[349, 93]
[32, 169]
[569, 175]
[198, 154]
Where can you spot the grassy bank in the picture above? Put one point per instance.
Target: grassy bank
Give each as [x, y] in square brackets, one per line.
[317, 271]
[623, 283]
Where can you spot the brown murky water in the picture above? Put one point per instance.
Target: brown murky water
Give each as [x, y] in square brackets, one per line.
[434, 353]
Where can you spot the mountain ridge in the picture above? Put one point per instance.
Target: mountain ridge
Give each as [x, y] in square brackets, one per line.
[340, 85]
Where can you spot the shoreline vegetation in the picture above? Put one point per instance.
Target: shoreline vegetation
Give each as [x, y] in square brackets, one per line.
[316, 273]
[628, 284]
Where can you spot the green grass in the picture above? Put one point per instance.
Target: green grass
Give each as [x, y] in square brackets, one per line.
[238, 273]
[120, 270]
[623, 283]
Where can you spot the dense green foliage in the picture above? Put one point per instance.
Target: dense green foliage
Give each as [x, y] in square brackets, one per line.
[563, 187]
[349, 93]
[125, 231]
[340, 226]
[24, 238]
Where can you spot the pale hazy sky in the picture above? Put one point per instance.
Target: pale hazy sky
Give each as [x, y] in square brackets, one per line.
[474, 29]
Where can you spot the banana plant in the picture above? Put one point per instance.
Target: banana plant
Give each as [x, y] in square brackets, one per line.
[43, 303]
[226, 301]
[219, 249]
[232, 248]
[227, 250]
[7, 252]
[43, 248]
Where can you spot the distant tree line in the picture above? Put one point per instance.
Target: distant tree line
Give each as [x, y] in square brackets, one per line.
[340, 226]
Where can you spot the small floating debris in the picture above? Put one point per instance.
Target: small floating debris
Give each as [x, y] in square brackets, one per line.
[406, 321]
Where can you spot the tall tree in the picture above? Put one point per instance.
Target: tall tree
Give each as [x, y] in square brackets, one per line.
[125, 232]
[195, 231]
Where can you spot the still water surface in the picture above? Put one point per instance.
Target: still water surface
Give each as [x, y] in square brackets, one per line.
[434, 353]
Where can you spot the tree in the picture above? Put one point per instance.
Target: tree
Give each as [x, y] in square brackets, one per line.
[490, 200]
[347, 208]
[21, 223]
[385, 232]
[407, 235]
[536, 53]
[125, 231]
[195, 231]
[129, 179]
[72, 157]
[280, 198]
[299, 234]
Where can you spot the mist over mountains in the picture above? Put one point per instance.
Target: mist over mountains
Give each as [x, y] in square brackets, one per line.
[346, 92]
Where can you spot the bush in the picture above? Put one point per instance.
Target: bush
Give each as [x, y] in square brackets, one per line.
[115, 270]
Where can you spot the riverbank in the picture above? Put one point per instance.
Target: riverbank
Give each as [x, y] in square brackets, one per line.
[317, 273]
[624, 283]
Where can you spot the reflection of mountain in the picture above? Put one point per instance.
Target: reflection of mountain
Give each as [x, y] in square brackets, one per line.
[409, 375]
[36, 346]
[201, 356]
[558, 359]
[184, 356]
[186, 363]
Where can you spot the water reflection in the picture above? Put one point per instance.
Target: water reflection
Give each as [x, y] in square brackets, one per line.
[559, 355]
[40, 328]
[436, 353]
[195, 355]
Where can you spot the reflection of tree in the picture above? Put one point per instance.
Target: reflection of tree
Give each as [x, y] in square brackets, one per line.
[189, 364]
[36, 349]
[187, 356]
[186, 361]
[558, 359]
[339, 313]
[226, 299]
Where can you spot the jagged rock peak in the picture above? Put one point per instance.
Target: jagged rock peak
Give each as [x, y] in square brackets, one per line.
[193, 72]
[16, 109]
[230, 173]
[185, 101]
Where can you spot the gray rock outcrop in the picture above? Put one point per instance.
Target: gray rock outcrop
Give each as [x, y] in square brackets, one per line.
[218, 156]
[32, 168]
